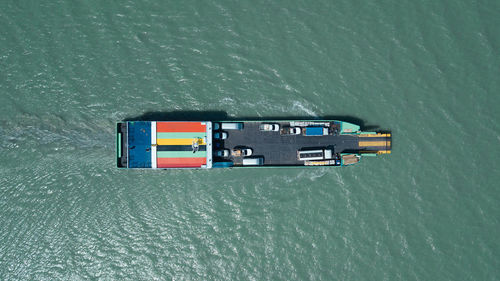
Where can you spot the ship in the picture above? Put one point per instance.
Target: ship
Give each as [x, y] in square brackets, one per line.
[233, 144]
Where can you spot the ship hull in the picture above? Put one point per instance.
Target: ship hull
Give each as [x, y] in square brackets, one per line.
[228, 144]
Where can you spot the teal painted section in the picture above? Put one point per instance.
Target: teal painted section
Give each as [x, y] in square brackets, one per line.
[179, 135]
[349, 128]
[226, 164]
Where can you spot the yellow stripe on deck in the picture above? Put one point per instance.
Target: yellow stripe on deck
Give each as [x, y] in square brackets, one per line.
[181, 141]
[374, 135]
[374, 143]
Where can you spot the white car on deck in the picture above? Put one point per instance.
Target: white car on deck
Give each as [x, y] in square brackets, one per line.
[243, 151]
[291, 131]
[220, 135]
[269, 127]
[295, 130]
[222, 153]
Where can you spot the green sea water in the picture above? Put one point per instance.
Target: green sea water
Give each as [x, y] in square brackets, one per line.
[429, 71]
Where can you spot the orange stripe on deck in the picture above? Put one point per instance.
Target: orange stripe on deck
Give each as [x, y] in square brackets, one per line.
[167, 127]
[181, 162]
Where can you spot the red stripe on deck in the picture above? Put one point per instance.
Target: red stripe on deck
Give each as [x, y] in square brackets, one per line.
[180, 127]
[178, 166]
[181, 162]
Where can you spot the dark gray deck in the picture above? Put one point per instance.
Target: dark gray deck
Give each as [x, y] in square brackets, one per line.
[281, 150]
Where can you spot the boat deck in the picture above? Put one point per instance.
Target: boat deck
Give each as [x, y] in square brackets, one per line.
[192, 144]
[281, 150]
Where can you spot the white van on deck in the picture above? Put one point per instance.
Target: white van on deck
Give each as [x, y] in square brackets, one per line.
[254, 161]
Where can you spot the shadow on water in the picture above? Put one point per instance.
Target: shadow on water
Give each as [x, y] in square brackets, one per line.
[223, 116]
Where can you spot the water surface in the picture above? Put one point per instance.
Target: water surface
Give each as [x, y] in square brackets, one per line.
[427, 70]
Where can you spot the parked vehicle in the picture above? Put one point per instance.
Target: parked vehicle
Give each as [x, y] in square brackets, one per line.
[314, 154]
[291, 131]
[222, 153]
[254, 161]
[242, 152]
[247, 151]
[228, 126]
[232, 126]
[269, 127]
[220, 135]
[316, 131]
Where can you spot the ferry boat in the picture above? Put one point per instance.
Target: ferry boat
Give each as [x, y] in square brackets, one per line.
[226, 144]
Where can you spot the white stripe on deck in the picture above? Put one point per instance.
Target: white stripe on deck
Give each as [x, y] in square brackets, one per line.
[209, 144]
[154, 165]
